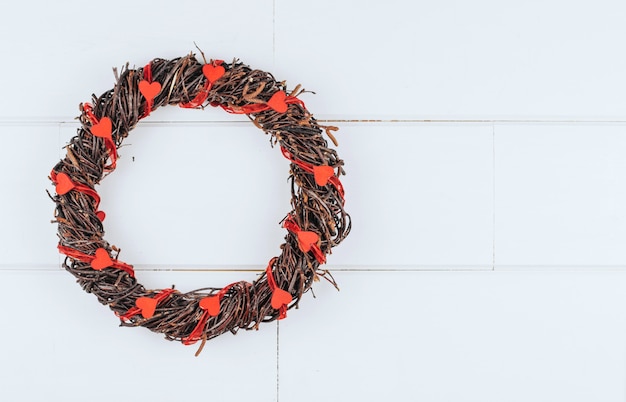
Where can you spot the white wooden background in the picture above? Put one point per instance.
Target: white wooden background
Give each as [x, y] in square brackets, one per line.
[485, 148]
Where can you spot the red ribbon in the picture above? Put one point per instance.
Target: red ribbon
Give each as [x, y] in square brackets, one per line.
[147, 72]
[334, 180]
[257, 107]
[88, 109]
[291, 225]
[147, 75]
[162, 295]
[196, 334]
[108, 142]
[202, 95]
[280, 298]
[80, 256]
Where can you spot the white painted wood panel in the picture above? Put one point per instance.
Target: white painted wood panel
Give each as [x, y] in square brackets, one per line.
[64, 51]
[455, 59]
[28, 238]
[424, 197]
[560, 195]
[420, 196]
[59, 344]
[189, 196]
[193, 197]
[482, 59]
[454, 336]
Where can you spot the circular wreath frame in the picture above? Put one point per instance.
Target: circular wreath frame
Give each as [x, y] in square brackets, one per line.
[316, 223]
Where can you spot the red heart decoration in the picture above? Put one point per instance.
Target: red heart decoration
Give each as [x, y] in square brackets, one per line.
[213, 73]
[280, 298]
[102, 260]
[211, 304]
[64, 184]
[277, 102]
[149, 89]
[322, 174]
[103, 129]
[147, 306]
[101, 215]
[306, 240]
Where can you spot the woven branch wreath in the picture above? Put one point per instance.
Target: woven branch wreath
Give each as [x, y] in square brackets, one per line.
[316, 223]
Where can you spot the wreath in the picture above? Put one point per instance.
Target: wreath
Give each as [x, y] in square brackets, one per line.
[316, 223]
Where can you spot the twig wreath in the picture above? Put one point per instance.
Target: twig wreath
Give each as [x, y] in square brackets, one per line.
[316, 223]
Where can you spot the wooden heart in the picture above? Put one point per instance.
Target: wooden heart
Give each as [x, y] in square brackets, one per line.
[322, 174]
[149, 89]
[147, 305]
[101, 215]
[64, 184]
[277, 102]
[280, 298]
[213, 73]
[102, 260]
[103, 128]
[306, 240]
[211, 305]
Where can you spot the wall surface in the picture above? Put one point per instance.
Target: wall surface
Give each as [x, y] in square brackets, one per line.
[485, 146]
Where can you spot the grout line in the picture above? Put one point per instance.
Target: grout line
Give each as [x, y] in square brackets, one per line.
[60, 150]
[256, 268]
[277, 359]
[491, 121]
[28, 268]
[493, 200]
[65, 120]
[274, 34]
